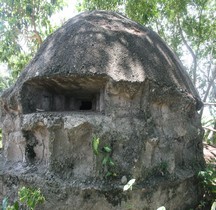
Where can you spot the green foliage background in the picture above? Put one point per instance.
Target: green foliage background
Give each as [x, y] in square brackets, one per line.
[24, 24]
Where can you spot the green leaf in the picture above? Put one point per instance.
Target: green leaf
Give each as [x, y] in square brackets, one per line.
[108, 174]
[105, 160]
[95, 145]
[30, 197]
[111, 163]
[16, 205]
[107, 149]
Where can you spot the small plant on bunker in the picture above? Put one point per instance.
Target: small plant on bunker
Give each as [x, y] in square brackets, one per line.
[95, 145]
[107, 162]
[28, 199]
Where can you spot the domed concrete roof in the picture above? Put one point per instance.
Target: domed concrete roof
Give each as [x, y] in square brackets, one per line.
[107, 44]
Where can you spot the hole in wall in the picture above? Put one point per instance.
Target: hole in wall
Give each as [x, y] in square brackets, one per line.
[30, 153]
[86, 105]
[31, 142]
[45, 96]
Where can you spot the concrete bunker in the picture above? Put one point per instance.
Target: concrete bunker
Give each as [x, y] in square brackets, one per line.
[104, 76]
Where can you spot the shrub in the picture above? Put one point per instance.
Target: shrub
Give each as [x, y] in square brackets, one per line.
[27, 199]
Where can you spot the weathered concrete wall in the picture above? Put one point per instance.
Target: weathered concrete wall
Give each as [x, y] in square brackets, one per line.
[155, 137]
[72, 195]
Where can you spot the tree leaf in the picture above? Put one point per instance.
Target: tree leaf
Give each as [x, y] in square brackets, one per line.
[105, 160]
[108, 174]
[16, 205]
[107, 149]
[111, 163]
[95, 145]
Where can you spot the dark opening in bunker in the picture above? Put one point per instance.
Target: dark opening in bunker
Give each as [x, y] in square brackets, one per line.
[86, 105]
[30, 153]
[45, 96]
[31, 142]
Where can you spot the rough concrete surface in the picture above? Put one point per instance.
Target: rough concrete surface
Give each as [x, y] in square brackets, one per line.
[103, 76]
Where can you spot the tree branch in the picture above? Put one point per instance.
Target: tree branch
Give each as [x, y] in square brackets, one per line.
[209, 128]
[210, 104]
[38, 37]
[36, 33]
[211, 82]
[191, 52]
